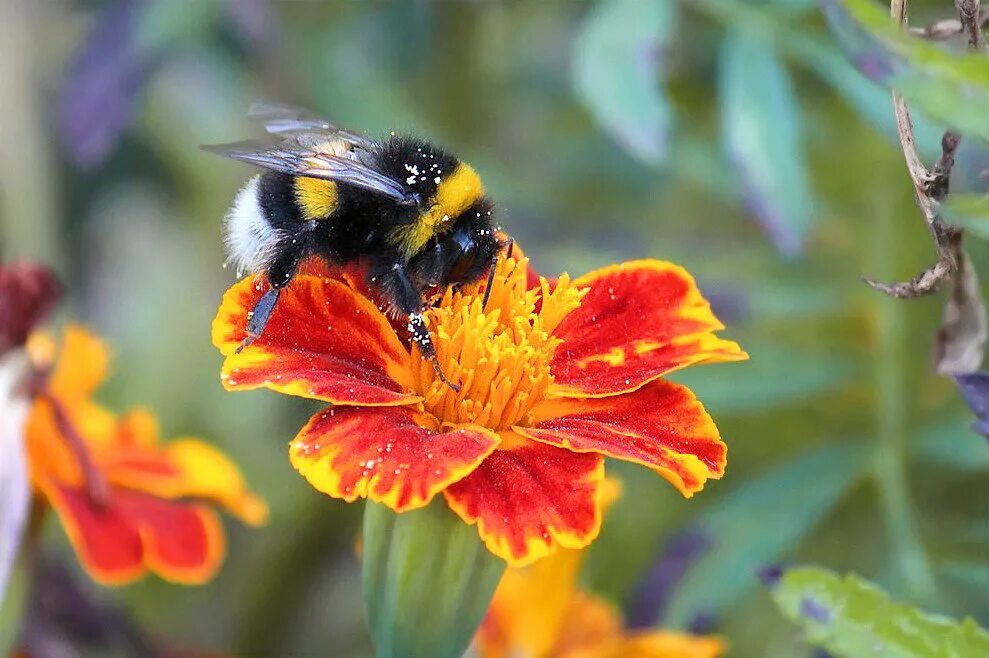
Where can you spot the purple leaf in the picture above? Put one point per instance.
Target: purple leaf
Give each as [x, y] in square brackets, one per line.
[974, 388]
[651, 596]
[97, 98]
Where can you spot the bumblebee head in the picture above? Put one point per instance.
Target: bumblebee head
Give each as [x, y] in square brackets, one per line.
[453, 213]
[471, 246]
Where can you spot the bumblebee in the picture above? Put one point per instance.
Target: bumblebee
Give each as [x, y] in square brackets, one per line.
[415, 217]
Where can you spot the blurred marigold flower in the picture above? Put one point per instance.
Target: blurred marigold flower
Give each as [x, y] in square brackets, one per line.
[128, 503]
[27, 294]
[539, 612]
[554, 376]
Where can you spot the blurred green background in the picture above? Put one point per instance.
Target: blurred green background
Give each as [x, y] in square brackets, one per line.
[731, 136]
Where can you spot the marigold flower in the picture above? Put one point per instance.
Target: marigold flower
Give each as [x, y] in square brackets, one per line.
[539, 612]
[128, 503]
[554, 376]
[27, 294]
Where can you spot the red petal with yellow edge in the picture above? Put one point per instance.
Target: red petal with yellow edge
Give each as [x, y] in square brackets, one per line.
[323, 341]
[107, 542]
[183, 468]
[182, 542]
[387, 454]
[661, 425]
[138, 427]
[638, 321]
[531, 498]
[209, 474]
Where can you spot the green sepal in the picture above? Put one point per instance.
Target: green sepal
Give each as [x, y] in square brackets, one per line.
[427, 579]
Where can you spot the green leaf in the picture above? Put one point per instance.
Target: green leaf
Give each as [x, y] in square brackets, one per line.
[851, 618]
[869, 98]
[760, 125]
[952, 442]
[970, 211]
[12, 608]
[759, 524]
[950, 87]
[428, 581]
[162, 23]
[617, 73]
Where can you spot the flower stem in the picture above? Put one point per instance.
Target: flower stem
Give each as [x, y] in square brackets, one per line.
[428, 581]
[96, 486]
[909, 557]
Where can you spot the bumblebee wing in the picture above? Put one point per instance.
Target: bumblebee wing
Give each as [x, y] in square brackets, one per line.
[302, 126]
[313, 164]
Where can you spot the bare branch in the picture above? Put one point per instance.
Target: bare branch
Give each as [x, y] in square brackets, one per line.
[927, 282]
[947, 28]
[968, 15]
[930, 186]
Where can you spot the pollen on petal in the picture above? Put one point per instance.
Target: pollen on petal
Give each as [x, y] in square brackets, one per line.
[324, 341]
[661, 425]
[530, 499]
[392, 455]
[639, 321]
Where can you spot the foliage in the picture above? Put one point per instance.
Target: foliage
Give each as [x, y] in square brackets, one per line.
[851, 617]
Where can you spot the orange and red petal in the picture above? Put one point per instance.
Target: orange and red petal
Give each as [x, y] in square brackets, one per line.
[182, 542]
[107, 542]
[81, 364]
[661, 425]
[132, 533]
[392, 455]
[209, 474]
[660, 644]
[530, 498]
[323, 341]
[638, 321]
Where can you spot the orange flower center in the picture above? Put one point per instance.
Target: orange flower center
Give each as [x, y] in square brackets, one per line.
[500, 354]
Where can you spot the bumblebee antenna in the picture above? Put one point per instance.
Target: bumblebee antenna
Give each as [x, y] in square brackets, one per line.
[491, 272]
[487, 286]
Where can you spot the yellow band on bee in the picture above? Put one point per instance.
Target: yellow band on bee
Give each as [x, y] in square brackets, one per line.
[454, 194]
[317, 198]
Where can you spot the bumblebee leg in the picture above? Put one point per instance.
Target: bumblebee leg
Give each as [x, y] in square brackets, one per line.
[397, 286]
[280, 273]
[258, 318]
[420, 334]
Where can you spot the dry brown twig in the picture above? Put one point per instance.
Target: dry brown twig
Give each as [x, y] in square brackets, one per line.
[931, 185]
[947, 28]
[970, 16]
